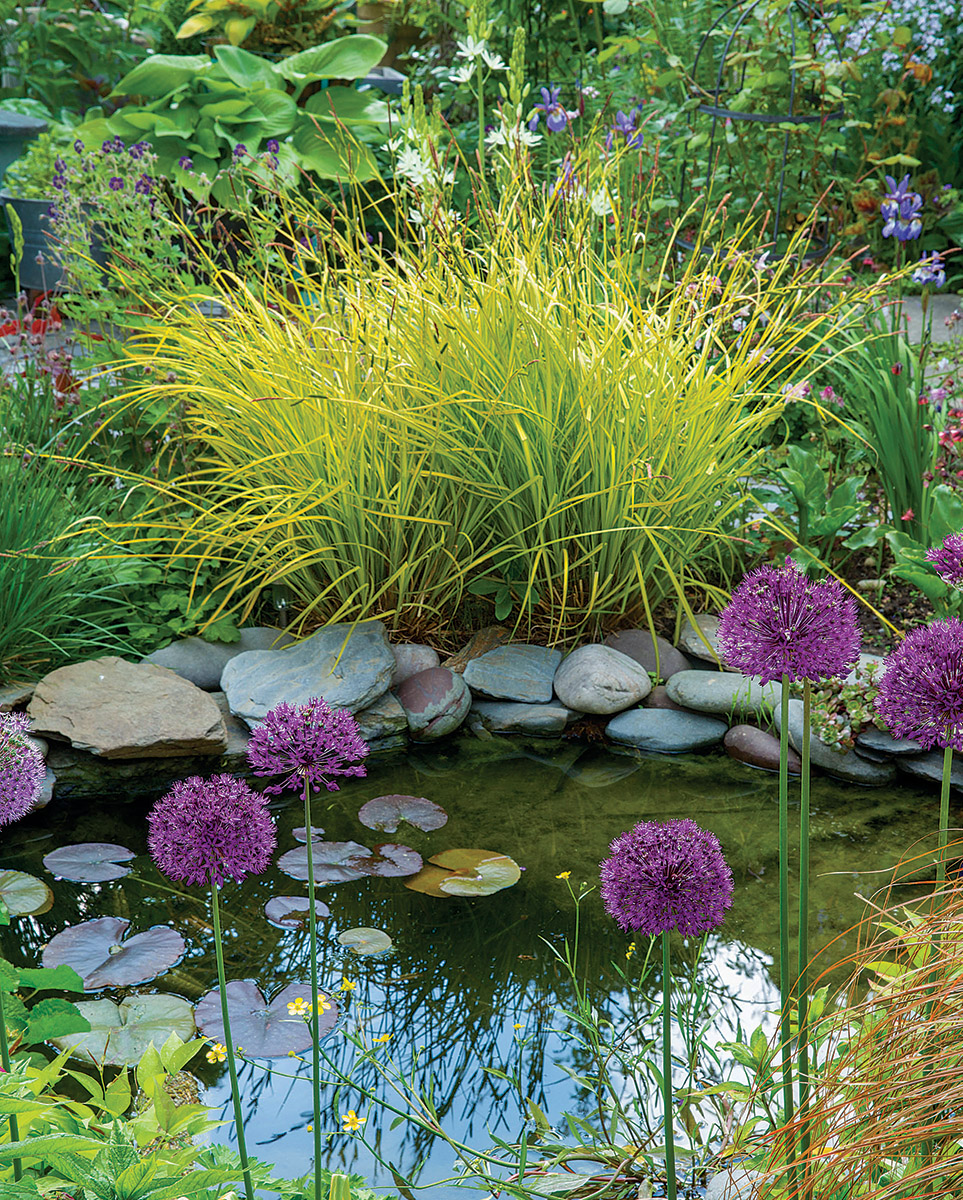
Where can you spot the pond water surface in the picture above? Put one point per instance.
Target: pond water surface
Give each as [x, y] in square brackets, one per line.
[475, 983]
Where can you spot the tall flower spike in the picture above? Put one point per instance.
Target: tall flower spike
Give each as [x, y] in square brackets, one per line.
[921, 689]
[779, 622]
[207, 830]
[948, 559]
[666, 876]
[21, 769]
[307, 741]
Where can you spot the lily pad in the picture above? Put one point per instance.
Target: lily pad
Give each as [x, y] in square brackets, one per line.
[389, 859]
[291, 912]
[265, 1030]
[120, 1034]
[97, 953]
[301, 834]
[465, 873]
[24, 895]
[89, 862]
[366, 941]
[332, 862]
[387, 812]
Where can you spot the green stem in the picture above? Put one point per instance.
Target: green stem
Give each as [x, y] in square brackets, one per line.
[5, 1063]
[785, 975]
[315, 1004]
[667, 1069]
[944, 813]
[229, 1044]
[480, 99]
[803, 982]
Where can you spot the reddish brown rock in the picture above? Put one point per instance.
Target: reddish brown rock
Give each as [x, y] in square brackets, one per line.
[747, 744]
[637, 644]
[435, 701]
[660, 698]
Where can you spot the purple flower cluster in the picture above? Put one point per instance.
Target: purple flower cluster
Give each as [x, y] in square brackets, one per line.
[113, 145]
[900, 210]
[948, 559]
[557, 116]
[207, 830]
[307, 742]
[931, 269]
[666, 876]
[779, 623]
[186, 163]
[921, 689]
[240, 150]
[115, 183]
[625, 127]
[21, 769]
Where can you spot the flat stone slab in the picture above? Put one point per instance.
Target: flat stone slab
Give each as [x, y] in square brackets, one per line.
[930, 767]
[435, 702]
[504, 717]
[665, 732]
[15, 696]
[517, 672]
[383, 719]
[598, 679]
[349, 666]
[638, 644]
[121, 710]
[723, 693]
[880, 742]
[756, 748]
[844, 764]
[203, 662]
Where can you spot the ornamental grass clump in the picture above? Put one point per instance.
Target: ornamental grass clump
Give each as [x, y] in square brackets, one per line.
[203, 832]
[659, 877]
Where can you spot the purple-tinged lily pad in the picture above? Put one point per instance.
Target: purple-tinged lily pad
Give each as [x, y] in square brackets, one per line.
[387, 812]
[265, 1030]
[389, 859]
[291, 912]
[97, 953]
[24, 895]
[366, 941]
[89, 862]
[120, 1034]
[332, 862]
[301, 833]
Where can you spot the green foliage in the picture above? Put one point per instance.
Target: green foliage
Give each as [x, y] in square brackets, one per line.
[263, 25]
[31, 1021]
[842, 710]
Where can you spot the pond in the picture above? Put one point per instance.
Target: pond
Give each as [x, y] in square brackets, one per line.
[475, 983]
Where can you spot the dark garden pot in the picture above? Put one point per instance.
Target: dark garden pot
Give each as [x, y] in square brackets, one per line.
[16, 130]
[40, 266]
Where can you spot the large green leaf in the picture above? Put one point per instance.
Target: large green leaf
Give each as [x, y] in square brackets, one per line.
[278, 110]
[347, 105]
[23, 894]
[334, 157]
[121, 1033]
[228, 108]
[246, 69]
[161, 74]
[350, 57]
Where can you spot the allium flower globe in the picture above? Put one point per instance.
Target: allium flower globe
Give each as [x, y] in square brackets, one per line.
[21, 769]
[921, 689]
[779, 622]
[948, 559]
[307, 741]
[207, 830]
[666, 876]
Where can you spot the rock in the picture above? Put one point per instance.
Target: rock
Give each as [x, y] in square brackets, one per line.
[522, 673]
[878, 741]
[349, 666]
[410, 658]
[690, 641]
[46, 791]
[203, 662]
[17, 695]
[725, 693]
[383, 719]
[435, 701]
[637, 644]
[238, 734]
[119, 710]
[865, 660]
[598, 679]
[930, 767]
[734, 1183]
[480, 643]
[40, 743]
[664, 731]
[504, 717]
[844, 764]
[659, 698]
[747, 744]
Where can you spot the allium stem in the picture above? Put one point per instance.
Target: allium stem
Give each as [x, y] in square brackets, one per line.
[229, 1044]
[667, 1069]
[944, 813]
[803, 982]
[785, 972]
[5, 1063]
[315, 1006]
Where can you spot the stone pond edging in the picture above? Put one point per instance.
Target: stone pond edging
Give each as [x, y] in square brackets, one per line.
[194, 703]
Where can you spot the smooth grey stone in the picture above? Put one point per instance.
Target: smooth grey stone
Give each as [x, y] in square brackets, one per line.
[203, 662]
[502, 716]
[755, 747]
[930, 767]
[383, 719]
[238, 734]
[349, 666]
[844, 764]
[664, 731]
[734, 1183]
[598, 679]
[41, 743]
[515, 672]
[691, 643]
[866, 659]
[435, 701]
[410, 658]
[724, 693]
[46, 791]
[881, 742]
[637, 644]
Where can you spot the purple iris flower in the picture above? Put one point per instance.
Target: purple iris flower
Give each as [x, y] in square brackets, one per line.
[625, 126]
[930, 270]
[556, 115]
[900, 210]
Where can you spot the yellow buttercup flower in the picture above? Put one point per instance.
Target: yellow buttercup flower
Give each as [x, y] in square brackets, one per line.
[631, 950]
[298, 1007]
[563, 874]
[519, 1026]
[323, 1002]
[352, 1122]
[217, 1053]
[348, 985]
[383, 1038]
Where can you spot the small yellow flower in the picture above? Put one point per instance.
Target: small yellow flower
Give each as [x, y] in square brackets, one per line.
[518, 1026]
[298, 1007]
[239, 1049]
[292, 1054]
[348, 985]
[563, 874]
[217, 1053]
[310, 1129]
[352, 1122]
[631, 950]
[385, 1037]
[323, 1003]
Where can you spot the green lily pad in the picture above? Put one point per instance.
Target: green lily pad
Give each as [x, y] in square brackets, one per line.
[97, 952]
[265, 1029]
[366, 941]
[463, 872]
[89, 862]
[120, 1034]
[332, 862]
[291, 912]
[24, 895]
[387, 812]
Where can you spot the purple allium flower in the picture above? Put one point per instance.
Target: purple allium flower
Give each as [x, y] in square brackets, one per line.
[900, 210]
[930, 270]
[185, 162]
[948, 559]
[307, 741]
[921, 689]
[556, 116]
[781, 623]
[144, 186]
[240, 150]
[272, 145]
[666, 876]
[207, 830]
[21, 769]
[115, 183]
